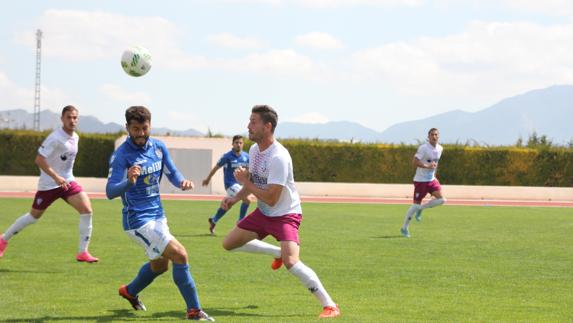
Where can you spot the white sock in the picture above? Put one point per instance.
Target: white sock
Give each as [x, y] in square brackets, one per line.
[433, 202]
[258, 246]
[410, 214]
[310, 280]
[18, 225]
[85, 231]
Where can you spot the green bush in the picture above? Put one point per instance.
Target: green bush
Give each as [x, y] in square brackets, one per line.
[324, 161]
[19, 148]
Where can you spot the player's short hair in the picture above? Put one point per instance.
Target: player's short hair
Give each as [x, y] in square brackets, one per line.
[68, 108]
[237, 137]
[433, 129]
[137, 113]
[267, 114]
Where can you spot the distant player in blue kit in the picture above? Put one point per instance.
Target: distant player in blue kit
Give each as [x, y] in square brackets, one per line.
[230, 161]
[136, 169]
[426, 162]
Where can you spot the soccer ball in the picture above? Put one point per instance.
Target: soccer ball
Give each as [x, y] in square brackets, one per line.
[136, 61]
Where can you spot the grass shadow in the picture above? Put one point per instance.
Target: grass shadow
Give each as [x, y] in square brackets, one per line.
[25, 271]
[130, 315]
[396, 236]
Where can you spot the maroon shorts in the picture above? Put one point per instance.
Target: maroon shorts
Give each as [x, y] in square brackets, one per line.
[43, 199]
[283, 228]
[421, 189]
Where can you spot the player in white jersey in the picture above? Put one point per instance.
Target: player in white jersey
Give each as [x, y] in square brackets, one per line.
[426, 162]
[55, 159]
[270, 178]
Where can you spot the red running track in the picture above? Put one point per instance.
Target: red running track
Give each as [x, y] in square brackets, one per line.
[337, 199]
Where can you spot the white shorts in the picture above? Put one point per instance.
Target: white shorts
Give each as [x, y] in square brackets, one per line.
[234, 189]
[154, 236]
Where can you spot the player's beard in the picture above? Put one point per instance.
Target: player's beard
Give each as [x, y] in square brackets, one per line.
[137, 140]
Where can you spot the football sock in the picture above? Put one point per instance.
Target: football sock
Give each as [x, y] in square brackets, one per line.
[433, 202]
[19, 225]
[258, 246]
[218, 215]
[410, 214]
[142, 280]
[310, 280]
[184, 281]
[244, 209]
[85, 231]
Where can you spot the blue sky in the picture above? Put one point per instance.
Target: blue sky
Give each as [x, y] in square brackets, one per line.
[375, 62]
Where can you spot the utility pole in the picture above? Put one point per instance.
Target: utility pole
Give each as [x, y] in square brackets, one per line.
[38, 83]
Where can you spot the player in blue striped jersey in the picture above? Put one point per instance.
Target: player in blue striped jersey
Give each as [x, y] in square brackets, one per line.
[136, 169]
[231, 160]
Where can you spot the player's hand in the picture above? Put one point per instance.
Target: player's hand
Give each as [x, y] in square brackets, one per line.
[62, 182]
[186, 185]
[433, 165]
[228, 202]
[252, 198]
[241, 175]
[133, 173]
[205, 182]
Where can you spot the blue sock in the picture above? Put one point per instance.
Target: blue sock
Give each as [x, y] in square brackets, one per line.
[218, 215]
[184, 281]
[244, 208]
[142, 280]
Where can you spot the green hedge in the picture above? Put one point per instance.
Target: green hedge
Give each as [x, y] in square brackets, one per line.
[19, 148]
[320, 161]
[316, 161]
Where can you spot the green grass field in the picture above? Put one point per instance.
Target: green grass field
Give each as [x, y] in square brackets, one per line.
[462, 264]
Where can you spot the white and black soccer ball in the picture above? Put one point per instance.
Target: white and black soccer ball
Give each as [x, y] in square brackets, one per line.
[136, 61]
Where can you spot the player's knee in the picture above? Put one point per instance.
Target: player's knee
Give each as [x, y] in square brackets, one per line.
[161, 268]
[181, 256]
[290, 261]
[227, 245]
[36, 214]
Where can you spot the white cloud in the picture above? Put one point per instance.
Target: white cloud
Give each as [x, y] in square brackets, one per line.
[17, 97]
[551, 7]
[281, 62]
[318, 40]
[333, 3]
[547, 7]
[178, 116]
[86, 35]
[184, 120]
[350, 3]
[311, 117]
[116, 93]
[228, 40]
[13, 96]
[488, 59]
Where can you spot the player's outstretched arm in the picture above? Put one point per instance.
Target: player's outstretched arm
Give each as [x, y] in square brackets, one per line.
[208, 179]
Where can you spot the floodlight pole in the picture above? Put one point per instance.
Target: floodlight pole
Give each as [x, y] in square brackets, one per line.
[38, 83]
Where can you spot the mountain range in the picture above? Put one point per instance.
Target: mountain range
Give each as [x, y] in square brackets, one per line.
[21, 119]
[546, 112]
